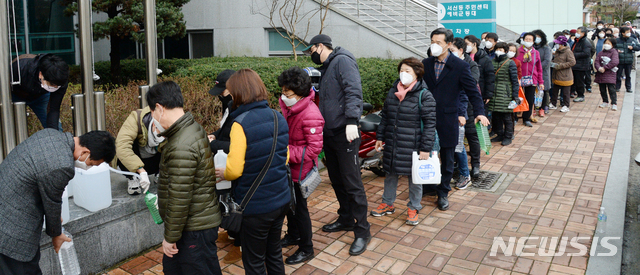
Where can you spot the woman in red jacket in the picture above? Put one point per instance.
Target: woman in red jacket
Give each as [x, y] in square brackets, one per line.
[305, 142]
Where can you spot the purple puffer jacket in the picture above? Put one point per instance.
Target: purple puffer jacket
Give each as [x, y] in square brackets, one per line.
[305, 130]
[608, 77]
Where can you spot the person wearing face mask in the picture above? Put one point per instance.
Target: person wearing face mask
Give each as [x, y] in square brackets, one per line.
[43, 83]
[606, 60]
[446, 77]
[138, 147]
[582, 52]
[402, 136]
[600, 38]
[562, 76]
[507, 89]
[491, 40]
[598, 30]
[626, 47]
[341, 106]
[512, 54]
[305, 144]
[615, 32]
[33, 178]
[532, 69]
[187, 199]
[540, 44]
[482, 40]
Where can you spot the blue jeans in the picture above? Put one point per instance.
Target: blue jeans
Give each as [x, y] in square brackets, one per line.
[39, 107]
[463, 164]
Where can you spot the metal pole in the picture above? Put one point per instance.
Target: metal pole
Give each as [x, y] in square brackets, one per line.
[101, 120]
[6, 107]
[20, 112]
[151, 41]
[86, 68]
[77, 109]
[27, 48]
[143, 95]
[358, 8]
[405, 21]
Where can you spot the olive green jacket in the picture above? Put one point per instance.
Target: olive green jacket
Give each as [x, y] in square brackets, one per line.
[187, 184]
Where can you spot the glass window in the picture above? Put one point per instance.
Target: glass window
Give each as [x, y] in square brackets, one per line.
[279, 45]
[176, 48]
[201, 44]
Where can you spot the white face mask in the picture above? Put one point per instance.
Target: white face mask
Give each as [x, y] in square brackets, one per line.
[469, 49]
[578, 35]
[538, 40]
[599, 27]
[83, 164]
[436, 50]
[47, 87]
[153, 138]
[606, 47]
[527, 44]
[556, 47]
[511, 54]
[156, 122]
[568, 36]
[289, 101]
[406, 78]
[499, 53]
[627, 34]
[601, 35]
[616, 35]
[488, 44]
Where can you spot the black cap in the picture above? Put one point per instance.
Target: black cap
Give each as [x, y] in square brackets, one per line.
[221, 82]
[320, 38]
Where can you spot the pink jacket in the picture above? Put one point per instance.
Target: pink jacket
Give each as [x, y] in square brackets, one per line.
[531, 68]
[305, 129]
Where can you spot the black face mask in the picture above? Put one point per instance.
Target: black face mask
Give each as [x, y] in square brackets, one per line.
[315, 57]
[226, 101]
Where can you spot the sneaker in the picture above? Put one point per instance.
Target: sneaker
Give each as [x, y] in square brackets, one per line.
[589, 90]
[546, 110]
[134, 187]
[412, 217]
[528, 124]
[506, 141]
[463, 182]
[603, 105]
[573, 95]
[629, 91]
[579, 99]
[614, 107]
[541, 112]
[383, 209]
[564, 109]
[552, 107]
[497, 139]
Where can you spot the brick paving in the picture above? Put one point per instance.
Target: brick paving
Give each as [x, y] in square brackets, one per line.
[561, 167]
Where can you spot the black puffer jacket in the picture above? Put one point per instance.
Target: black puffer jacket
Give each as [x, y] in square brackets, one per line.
[582, 51]
[400, 127]
[487, 76]
[624, 54]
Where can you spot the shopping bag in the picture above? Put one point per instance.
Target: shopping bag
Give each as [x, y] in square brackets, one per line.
[460, 146]
[538, 98]
[483, 137]
[524, 105]
[425, 171]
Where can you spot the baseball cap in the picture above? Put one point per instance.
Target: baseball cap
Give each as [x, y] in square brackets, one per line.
[320, 38]
[221, 82]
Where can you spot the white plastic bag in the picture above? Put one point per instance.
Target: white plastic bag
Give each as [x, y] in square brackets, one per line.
[425, 171]
[460, 146]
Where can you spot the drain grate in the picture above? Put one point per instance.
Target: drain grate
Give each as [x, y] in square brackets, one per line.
[493, 182]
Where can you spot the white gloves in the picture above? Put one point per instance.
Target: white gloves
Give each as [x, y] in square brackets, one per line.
[352, 132]
[144, 182]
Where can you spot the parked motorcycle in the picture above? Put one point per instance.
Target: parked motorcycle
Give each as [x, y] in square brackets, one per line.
[370, 159]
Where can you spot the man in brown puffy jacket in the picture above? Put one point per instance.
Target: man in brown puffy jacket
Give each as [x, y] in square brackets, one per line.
[186, 186]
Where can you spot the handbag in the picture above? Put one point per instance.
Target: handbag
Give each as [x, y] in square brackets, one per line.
[233, 222]
[311, 180]
[527, 80]
[524, 105]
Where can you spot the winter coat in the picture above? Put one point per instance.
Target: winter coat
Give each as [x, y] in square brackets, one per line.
[400, 127]
[222, 140]
[545, 62]
[562, 72]
[30, 89]
[340, 91]
[133, 135]
[608, 77]
[582, 53]
[464, 105]
[519, 66]
[507, 85]
[305, 130]
[187, 197]
[532, 68]
[625, 56]
[487, 78]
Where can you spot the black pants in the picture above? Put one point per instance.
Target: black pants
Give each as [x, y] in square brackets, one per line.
[151, 165]
[344, 173]
[262, 249]
[530, 95]
[545, 98]
[446, 168]
[299, 225]
[474, 143]
[587, 78]
[503, 124]
[197, 254]
[627, 73]
[566, 95]
[612, 93]
[578, 82]
[10, 266]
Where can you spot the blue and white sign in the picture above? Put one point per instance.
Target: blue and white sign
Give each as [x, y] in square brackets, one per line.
[466, 17]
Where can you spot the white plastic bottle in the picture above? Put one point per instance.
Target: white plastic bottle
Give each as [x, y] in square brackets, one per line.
[68, 258]
[220, 161]
[602, 221]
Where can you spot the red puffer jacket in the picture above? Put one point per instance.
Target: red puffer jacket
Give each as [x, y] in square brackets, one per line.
[305, 129]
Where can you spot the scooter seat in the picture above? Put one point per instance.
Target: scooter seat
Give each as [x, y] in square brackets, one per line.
[370, 123]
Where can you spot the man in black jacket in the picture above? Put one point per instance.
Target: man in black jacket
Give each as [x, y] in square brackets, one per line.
[582, 51]
[627, 46]
[447, 77]
[43, 83]
[341, 107]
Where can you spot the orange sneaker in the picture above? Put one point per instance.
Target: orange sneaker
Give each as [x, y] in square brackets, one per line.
[383, 209]
[412, 217]
[541, 112]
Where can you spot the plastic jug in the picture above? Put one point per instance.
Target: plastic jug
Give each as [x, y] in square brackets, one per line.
[65, 209]
[151, 200]
[220, 161]
[425, 171]
[92, 188]
[67, 257]
[460, 146]
[483, 137]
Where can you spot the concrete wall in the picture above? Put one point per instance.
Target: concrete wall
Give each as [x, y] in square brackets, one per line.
[548, 15]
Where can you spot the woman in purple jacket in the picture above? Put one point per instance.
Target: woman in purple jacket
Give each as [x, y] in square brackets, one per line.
[605, 63]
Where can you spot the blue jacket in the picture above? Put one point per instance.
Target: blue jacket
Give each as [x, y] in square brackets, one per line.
[256, 120]
[455, 77]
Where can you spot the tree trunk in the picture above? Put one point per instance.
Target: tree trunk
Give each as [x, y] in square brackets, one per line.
[114, 39]
[295, 54]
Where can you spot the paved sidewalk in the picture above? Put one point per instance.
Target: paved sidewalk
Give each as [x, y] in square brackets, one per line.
[561, 167]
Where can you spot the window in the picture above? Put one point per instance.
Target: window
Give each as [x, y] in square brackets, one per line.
[201, 44]
[280, 46]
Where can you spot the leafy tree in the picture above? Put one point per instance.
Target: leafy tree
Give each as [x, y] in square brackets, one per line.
[126, 20]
